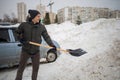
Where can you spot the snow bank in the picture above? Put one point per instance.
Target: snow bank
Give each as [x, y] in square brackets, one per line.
[94, 36]
[100, 39]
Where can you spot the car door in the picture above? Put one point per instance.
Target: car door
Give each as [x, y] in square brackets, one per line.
[16, 43]
[6, 48]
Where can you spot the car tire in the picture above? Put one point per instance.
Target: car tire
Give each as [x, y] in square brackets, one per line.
[51, 56]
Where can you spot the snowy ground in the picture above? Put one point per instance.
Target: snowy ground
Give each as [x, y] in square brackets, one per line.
[99, 38]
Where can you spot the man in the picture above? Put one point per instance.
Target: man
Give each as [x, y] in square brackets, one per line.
[31, 30]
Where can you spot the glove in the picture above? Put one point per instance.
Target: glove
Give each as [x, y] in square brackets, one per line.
[54, 49]
[22, 41]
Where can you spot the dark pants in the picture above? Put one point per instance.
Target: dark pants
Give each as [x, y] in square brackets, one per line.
[23, 61]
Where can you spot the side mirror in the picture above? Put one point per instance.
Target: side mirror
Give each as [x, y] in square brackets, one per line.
[19, 45]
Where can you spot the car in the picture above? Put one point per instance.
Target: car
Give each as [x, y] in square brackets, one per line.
[10, 48]
[5, 23]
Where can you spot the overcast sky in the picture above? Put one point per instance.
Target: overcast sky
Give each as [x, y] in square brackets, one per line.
[10, 6]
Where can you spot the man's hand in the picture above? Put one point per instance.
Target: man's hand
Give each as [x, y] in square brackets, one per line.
[54, 49]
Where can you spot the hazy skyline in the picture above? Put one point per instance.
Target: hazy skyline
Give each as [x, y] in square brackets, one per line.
[8, 7]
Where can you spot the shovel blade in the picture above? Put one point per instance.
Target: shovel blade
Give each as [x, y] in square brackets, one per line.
[77, 52]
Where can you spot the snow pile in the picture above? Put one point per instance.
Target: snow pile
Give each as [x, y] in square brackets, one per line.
[99, 38]
[94, 36]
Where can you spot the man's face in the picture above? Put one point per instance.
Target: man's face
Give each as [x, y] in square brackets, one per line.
[37, 18]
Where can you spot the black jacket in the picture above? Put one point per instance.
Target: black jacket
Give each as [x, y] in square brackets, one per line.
[33, 32]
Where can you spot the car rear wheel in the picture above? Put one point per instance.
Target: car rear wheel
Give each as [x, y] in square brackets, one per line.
[51, 56]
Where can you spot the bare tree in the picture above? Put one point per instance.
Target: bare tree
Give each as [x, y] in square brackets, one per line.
[0, 20]
[14, 19]
[56, 19]
[78, 20]
[13, 15]
[6, 18]
[47, 19]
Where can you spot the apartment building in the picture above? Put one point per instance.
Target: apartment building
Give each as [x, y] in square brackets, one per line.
[85, 14]
[21, 8]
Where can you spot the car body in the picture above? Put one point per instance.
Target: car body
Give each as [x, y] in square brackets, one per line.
[5, 23]
[10, 51]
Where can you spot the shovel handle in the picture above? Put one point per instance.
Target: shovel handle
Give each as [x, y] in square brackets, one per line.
[37, 44]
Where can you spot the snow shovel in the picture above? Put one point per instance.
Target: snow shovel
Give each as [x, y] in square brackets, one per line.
[76, 52]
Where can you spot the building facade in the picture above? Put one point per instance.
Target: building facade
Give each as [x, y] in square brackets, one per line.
[42, 9]
[88, 14]
[21, 8]
[103, 12]
[115, 14]
[72, 14]
[85, 14]
[64, 14]
[52, 17]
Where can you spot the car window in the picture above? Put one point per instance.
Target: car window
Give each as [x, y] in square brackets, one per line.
[15, 34]
[4, 35]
